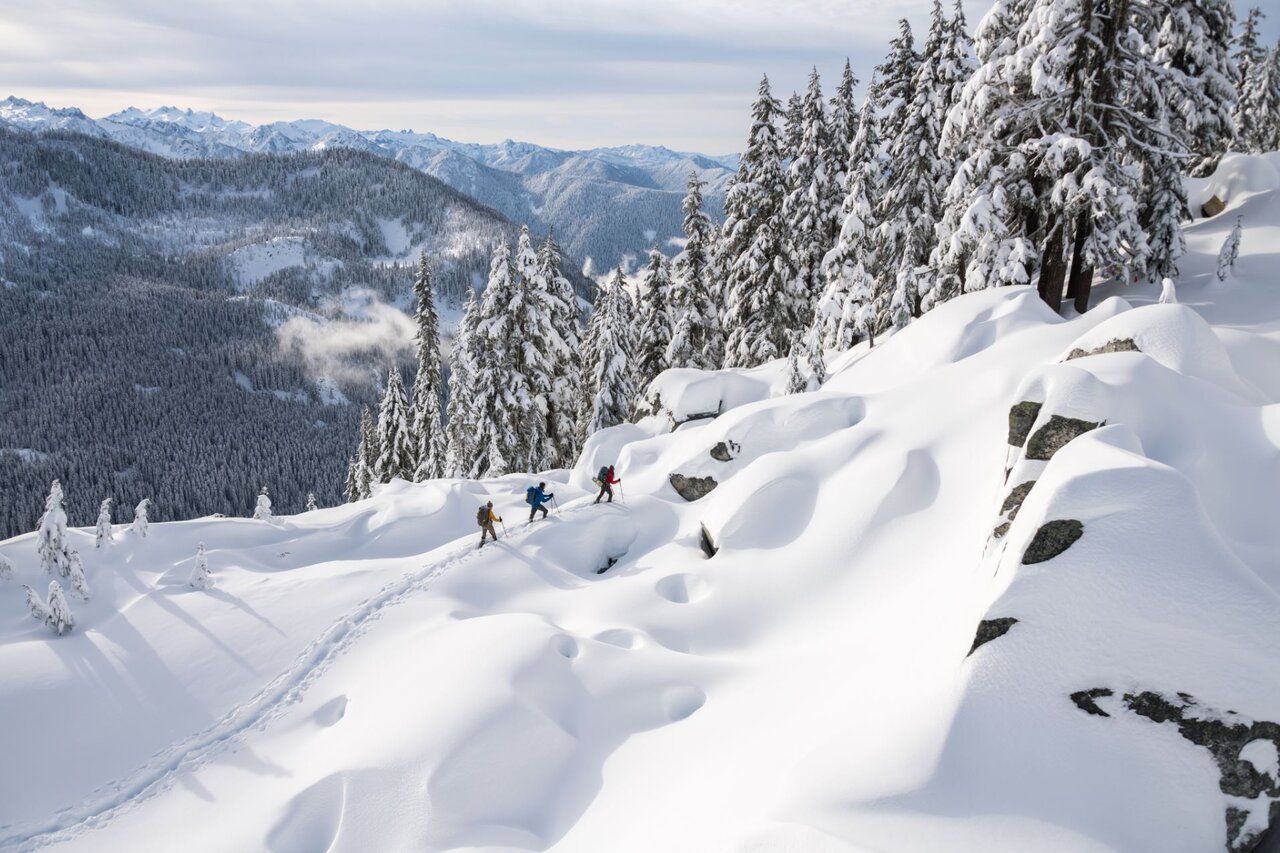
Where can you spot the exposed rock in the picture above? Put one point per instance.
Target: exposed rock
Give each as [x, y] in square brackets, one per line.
[723, 451]
[692, 488]
[990, 629]
[1052, 539]
[1013, 503]
[1116, 345]
[1000, 530]
[1212, 207]
[1086, 700]
[696, 416]
[708, 544]
[1055, 434]
[1021, 418]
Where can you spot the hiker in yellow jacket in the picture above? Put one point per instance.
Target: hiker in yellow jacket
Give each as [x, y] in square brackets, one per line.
[485, 518]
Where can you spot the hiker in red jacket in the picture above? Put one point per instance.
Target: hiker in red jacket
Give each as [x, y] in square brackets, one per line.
[606, 481]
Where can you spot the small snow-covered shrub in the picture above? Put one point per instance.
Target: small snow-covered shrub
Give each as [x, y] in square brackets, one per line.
[201, 578]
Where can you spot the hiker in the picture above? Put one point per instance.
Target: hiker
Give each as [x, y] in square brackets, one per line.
[606, 481]
[535, 497]
[485, 518]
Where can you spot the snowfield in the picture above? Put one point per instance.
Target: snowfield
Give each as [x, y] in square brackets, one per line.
[1008, 582]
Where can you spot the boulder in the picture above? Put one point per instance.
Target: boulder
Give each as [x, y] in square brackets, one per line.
[692, 488]
[1114, 345]
[709, 546]
[1212, 207]
[1055, 434]
[990, 629]
[1087, 700]
[1052, 539]
[1021, 418]
[723, 451]
[1013, 502]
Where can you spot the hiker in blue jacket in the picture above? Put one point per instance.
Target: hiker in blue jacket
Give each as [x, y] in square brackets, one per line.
[536, 496]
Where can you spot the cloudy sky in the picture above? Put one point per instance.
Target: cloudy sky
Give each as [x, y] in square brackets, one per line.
[568, 73]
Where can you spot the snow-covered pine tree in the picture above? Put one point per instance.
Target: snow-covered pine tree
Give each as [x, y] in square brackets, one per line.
[395, 446]
[1164, 209]
[1230, 250]
[796, 381]
[586, 396]
[140, 520]
[460, 426]
[351, 487]
[566, 378]
[496, 427]
[369, 451]
[894, 82]
[6, 568]
[312, 506]
[816, 360]
[262, 509]
[79, 584]
[842, 128]
[426, 426]
[37, 607]
[1193, 45]
[612, 379]
[103, 530]
[654, 318]
[758, 305]
[912, 203]
[806, 214]
[534, 352]
[1266, 103]
[850, 268]
[695, 338]
[792, 128]
[51, 534]
[55, 613]
[1250, 60]
[201, 577]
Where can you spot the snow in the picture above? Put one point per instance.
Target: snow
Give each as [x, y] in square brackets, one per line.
[363, 678]
[252, 263]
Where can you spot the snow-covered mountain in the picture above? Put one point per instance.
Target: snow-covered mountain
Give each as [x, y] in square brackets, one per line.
[604, 203]
[1009, 582]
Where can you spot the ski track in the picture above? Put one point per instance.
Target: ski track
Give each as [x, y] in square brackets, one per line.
[114, 798]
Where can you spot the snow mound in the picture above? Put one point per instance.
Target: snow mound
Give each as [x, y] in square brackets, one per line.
[682, 395]
[1237, 177]
[1174, 335]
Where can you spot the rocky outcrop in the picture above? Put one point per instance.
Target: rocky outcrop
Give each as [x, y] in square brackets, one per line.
[1052, 539]
[1225, 736]
[1013, 502]
[692, 488]
[709, 546]
[724, 450]
[991, 629]
[1116, 345]
[1055, 434]
[1212, 207]
[1021, 418]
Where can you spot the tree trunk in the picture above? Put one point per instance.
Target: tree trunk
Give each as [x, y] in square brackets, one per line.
[1053, 268]
[1081, 281]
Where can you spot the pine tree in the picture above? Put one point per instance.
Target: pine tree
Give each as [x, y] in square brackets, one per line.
[103, 531]
[1193, 47]
[757, 304]
[1230, 251]
[51, 534]
[262, 509]
[6, 568]
[806, 211]
[426, 428]
[140, 520]
[695, 339]
[367, 454]
[496, 392]
[792, 128]
[351, 488]
[1250, 59]
[654, 317]
[534, 351]
[854, 301]
[611, 378]
[562, 432]
[842, 129]
[79, 584]
[895, 82]
[461, 422]
[1163, 213]
[312, 506]
[201, 577]
[816, 360]
[395, 448]
[796, 382]
[54, 613]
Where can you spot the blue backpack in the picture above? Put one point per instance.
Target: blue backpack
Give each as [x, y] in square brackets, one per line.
[529, 495]
[602, 476]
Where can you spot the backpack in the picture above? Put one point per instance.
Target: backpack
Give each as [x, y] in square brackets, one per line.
[482, 517]
[602, 476]
[529, 494]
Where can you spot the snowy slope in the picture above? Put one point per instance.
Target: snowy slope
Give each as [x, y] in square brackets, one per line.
[361, 678]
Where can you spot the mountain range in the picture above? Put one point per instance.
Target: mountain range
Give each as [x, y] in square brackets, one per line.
[606, 205]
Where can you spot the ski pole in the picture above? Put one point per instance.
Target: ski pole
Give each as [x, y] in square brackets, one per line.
[504, 527]
[555, 503]
[621, 493]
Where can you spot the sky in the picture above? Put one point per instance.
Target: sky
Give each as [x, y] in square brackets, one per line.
[565, 73]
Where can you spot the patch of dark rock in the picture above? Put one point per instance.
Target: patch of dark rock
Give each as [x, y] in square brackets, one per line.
[1052, 539]
[1055, 434]
[724, 450]
[697, 416]
[1087, 700]
[1001, 530]
[1212, 207]
[709, 546]
[692, 488]
[1021, 418]
[991, 629]
[1115, 345]
[1013, 503]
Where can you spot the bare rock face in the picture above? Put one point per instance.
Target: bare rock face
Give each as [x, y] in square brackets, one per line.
[991, 629]
[1013, 502]
[724, 451]
[1225, 736]
[708, 544]
[692, 488]
[1116, 345]
[1055, 434]
[1052, 539]
[1021, 418]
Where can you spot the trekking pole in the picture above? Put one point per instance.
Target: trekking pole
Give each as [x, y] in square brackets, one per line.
[621, 493]
[504, 527]
[555, 503]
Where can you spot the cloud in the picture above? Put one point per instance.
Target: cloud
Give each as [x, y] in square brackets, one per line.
[343, 348]
[572, 73]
